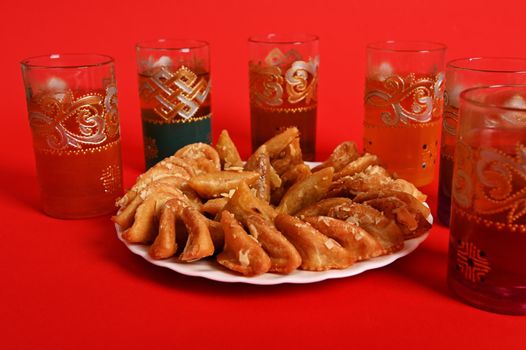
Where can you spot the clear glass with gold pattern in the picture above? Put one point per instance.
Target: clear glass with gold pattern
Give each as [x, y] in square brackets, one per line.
[283, 72]
[404, 94]
[487, 263]
[72, 107]
[174, 91]
[461, 74]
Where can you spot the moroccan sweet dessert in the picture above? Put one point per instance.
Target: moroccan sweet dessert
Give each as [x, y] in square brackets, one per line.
[272, 213]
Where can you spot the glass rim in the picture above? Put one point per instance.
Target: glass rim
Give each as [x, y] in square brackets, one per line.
[292, 38]
[455, 64]
[464, 96]
[29, 62]
[427, 46]
[172, 44]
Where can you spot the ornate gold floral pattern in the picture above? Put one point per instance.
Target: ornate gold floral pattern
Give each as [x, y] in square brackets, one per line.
[491, 184]
[408, 99]
[177, 94]
[283, 77]
[471, 262]
[61, 122]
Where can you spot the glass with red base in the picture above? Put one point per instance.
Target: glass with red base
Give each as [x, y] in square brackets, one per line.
[487, 260]
[72, 107]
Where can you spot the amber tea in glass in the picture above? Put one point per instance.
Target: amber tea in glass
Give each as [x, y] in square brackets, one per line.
[72, 107]
[462, 74]
[283, 74]
[174, 91]
[404, 93]
[487, 260]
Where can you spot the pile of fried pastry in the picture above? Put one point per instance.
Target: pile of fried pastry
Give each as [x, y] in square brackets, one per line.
[273, 213]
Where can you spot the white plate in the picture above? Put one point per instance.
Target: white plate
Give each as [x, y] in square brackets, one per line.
[210, 269]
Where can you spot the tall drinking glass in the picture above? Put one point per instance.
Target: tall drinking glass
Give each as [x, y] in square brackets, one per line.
[72, 107]
[174, 90]
[487, 260]
[404, 94]
[283, 72]
[462, 74]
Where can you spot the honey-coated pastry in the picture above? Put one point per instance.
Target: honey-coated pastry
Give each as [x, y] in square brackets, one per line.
[228, 154]
[276, 144]
[306, 192]
[408, 212]
[347, 209]
[151, 200]
[357, 166]
[214, 206]
[244, 203]
[342, 155]
[407, 198]
[211, 185]
[202, 157]
[360, 244]
[321, 208]
[318, 252]
[296, 173]
[361, 182]
[199, 244]
[165, 244]
[289, 157]
[373, 221]
[241, 253]
[261, 165]
[284, 257]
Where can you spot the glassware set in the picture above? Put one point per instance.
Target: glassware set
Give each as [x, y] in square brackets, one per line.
[410, 95]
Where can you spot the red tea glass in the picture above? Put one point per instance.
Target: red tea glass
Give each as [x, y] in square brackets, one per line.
[462, 74]
[72, 107]
[487, 260]
[283, 73]
[404, 94]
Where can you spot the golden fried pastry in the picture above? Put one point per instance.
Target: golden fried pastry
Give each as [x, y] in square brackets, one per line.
[275, 145]
[241, 253]
[244, 203]
[342, 155]
[169, 167]
[217, 234]
[373, 221]
[360, 244]
[321, 208]
[296, 173]
[214, 206]
[357, 166]
[211, 185]
[126, 216]
[348, 209]
[284, 258]
[261, 164]
[361, 182]
[376, 170]
[199, 244]
[410, 214]
[306, 192]
[318, 252]
[151, 200]
[203, 158]
[289, 157]
[165, 244]
[228, 154]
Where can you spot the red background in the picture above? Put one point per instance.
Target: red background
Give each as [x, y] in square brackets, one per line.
[72, 284]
